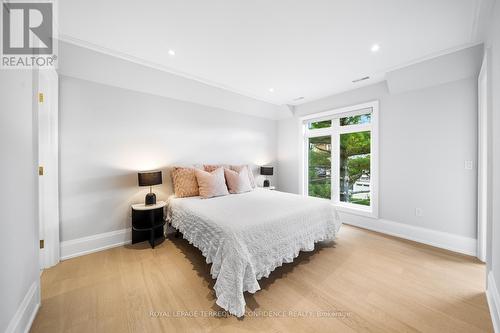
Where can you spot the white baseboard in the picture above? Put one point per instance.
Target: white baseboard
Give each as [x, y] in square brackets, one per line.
[493, 301]
[27, 310]
[444, 240]
[85, 245]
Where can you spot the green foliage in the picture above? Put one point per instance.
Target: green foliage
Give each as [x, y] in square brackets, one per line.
[352, 144]
[321, 189]
[354, 162]
[354, 157]
[319, 165]
[320, 154]
[364, 202]
[361, 119]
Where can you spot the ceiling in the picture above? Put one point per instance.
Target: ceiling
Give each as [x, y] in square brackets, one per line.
[299, 48]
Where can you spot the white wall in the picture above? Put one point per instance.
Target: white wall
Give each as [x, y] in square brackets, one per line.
[107, 134]
[289, 144]
[19, 279]
[425, 137]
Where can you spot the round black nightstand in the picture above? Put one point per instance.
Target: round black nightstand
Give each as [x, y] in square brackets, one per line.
[148, 222]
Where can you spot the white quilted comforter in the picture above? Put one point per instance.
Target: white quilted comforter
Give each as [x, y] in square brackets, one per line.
[246, 236]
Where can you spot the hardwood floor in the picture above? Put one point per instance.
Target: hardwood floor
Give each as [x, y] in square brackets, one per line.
[369, 281]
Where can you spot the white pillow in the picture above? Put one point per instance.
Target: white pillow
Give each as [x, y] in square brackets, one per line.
[251, 178]
[211, 184]
[238, 182]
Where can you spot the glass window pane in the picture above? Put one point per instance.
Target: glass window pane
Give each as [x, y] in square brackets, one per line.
[320, 124]
[355, 168]
[320, 167]
[356, 120]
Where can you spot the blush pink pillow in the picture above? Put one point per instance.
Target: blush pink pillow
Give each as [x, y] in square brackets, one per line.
[211, 184]
[238, 182]
[251, 178]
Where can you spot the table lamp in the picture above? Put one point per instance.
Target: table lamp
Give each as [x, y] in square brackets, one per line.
[266, 170]
[150, 179]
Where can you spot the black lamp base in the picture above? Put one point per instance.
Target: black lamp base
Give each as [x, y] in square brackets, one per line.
[266, 183]
[150, 199]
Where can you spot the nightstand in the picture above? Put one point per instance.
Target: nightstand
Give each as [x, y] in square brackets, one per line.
[148, 222]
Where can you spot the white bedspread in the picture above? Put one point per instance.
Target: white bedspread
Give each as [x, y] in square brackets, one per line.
[246, 236]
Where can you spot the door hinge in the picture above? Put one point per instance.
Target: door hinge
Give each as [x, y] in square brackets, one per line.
[40, 97]
[40, 170]
[42, 243]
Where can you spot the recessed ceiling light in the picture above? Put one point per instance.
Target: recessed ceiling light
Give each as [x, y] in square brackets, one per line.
[271, 90]
[171, 52]
[375, 48]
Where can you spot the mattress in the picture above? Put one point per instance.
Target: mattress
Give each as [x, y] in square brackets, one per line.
[246, 236]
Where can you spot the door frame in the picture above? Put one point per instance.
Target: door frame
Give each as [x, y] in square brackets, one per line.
[48, 158]
[484, 172]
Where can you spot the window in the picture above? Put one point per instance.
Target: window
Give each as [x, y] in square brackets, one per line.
[340, 154]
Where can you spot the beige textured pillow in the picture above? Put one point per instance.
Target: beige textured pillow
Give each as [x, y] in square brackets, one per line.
[211, 184]
[237, 182]
[251, 178]
[185, 184]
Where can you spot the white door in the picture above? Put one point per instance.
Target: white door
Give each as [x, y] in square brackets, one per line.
[484, 172]
[48, 161]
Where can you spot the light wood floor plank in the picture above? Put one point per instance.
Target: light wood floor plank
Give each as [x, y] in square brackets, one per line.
[380, 284]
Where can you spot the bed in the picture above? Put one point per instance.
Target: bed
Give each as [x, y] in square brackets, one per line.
[246, 236]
